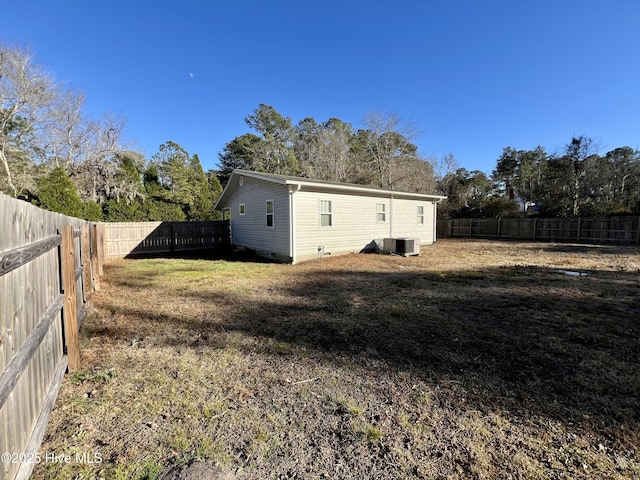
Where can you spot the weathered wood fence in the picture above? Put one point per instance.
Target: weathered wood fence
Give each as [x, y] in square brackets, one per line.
[618, 230]
[49, 265]
[149, 238]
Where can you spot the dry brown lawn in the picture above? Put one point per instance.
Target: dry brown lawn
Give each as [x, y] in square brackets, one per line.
[476, 359]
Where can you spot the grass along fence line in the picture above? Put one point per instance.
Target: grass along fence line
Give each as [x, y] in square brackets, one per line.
[478, 359]
[610, 230]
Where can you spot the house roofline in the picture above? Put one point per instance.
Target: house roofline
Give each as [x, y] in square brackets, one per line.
[326, 185]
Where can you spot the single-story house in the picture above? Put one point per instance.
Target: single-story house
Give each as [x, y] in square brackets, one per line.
[291, 219]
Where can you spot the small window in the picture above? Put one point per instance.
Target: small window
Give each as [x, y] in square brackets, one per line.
[381, 213]
[326, 215]
[420, 215]
[242, 209]
[269, 213]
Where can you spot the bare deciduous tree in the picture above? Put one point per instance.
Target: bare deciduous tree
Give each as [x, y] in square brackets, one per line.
[94, 164]
[26, 95]
[43, 123]
[324, 151]
[393, 157]
[446, 165]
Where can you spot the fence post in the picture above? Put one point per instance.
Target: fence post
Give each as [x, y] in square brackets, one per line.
[100, 251]
[535, 228]
[579, 228]
[499, 227]
[85, 258]
[70, 313]
[94, 257]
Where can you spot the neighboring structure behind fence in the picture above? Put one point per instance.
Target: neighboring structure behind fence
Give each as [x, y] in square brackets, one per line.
[149, 238]
[49, 264]
[618, 230]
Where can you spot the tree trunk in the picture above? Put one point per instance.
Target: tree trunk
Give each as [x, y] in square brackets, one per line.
[5, 164]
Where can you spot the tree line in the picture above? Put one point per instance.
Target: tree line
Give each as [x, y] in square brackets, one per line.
[577, 181]
[381, 154]
[56, 156]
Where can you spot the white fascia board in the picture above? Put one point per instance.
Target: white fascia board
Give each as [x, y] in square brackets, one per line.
[364, 190]
[260, 176]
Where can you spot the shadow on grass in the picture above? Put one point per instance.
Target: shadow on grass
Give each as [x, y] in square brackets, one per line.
[228, 255]
[623, 249]
[526, 339]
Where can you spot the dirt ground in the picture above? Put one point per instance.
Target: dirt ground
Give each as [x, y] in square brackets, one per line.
[477, 359]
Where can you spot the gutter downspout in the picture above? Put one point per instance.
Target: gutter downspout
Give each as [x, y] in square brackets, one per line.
[391, 216]
[292, 221]
[435, 218]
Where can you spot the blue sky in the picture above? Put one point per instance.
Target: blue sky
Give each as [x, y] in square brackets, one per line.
[474, 76]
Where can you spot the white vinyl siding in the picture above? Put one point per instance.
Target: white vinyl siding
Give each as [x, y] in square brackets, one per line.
[404, 220]
[249, 230]
[355, 224]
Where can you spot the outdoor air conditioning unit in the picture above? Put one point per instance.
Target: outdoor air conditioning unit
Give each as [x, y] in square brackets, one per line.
[402, 246]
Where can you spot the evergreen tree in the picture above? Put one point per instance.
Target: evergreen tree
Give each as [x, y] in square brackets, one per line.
[58, 193]
[156, 206]
[92, 211]
[273, 153]
[238, 153]
[201, 208]
[123, 211]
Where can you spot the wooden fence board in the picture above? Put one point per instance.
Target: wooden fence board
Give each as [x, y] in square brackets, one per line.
[70, 311]
[147, 238]
[32, 357]
[18, 363]
[24, 471]
[17, 257]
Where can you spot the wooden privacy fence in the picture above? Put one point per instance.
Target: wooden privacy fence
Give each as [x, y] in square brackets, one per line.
[148, 238]
[49, 265]
[618, 230]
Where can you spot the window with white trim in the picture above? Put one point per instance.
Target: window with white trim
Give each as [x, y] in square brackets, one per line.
[326, 213]
[381, 213]
[270, 211]
[420, 214]
[242, 209]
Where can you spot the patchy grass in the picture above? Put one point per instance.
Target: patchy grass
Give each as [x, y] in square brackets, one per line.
[477, 359]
